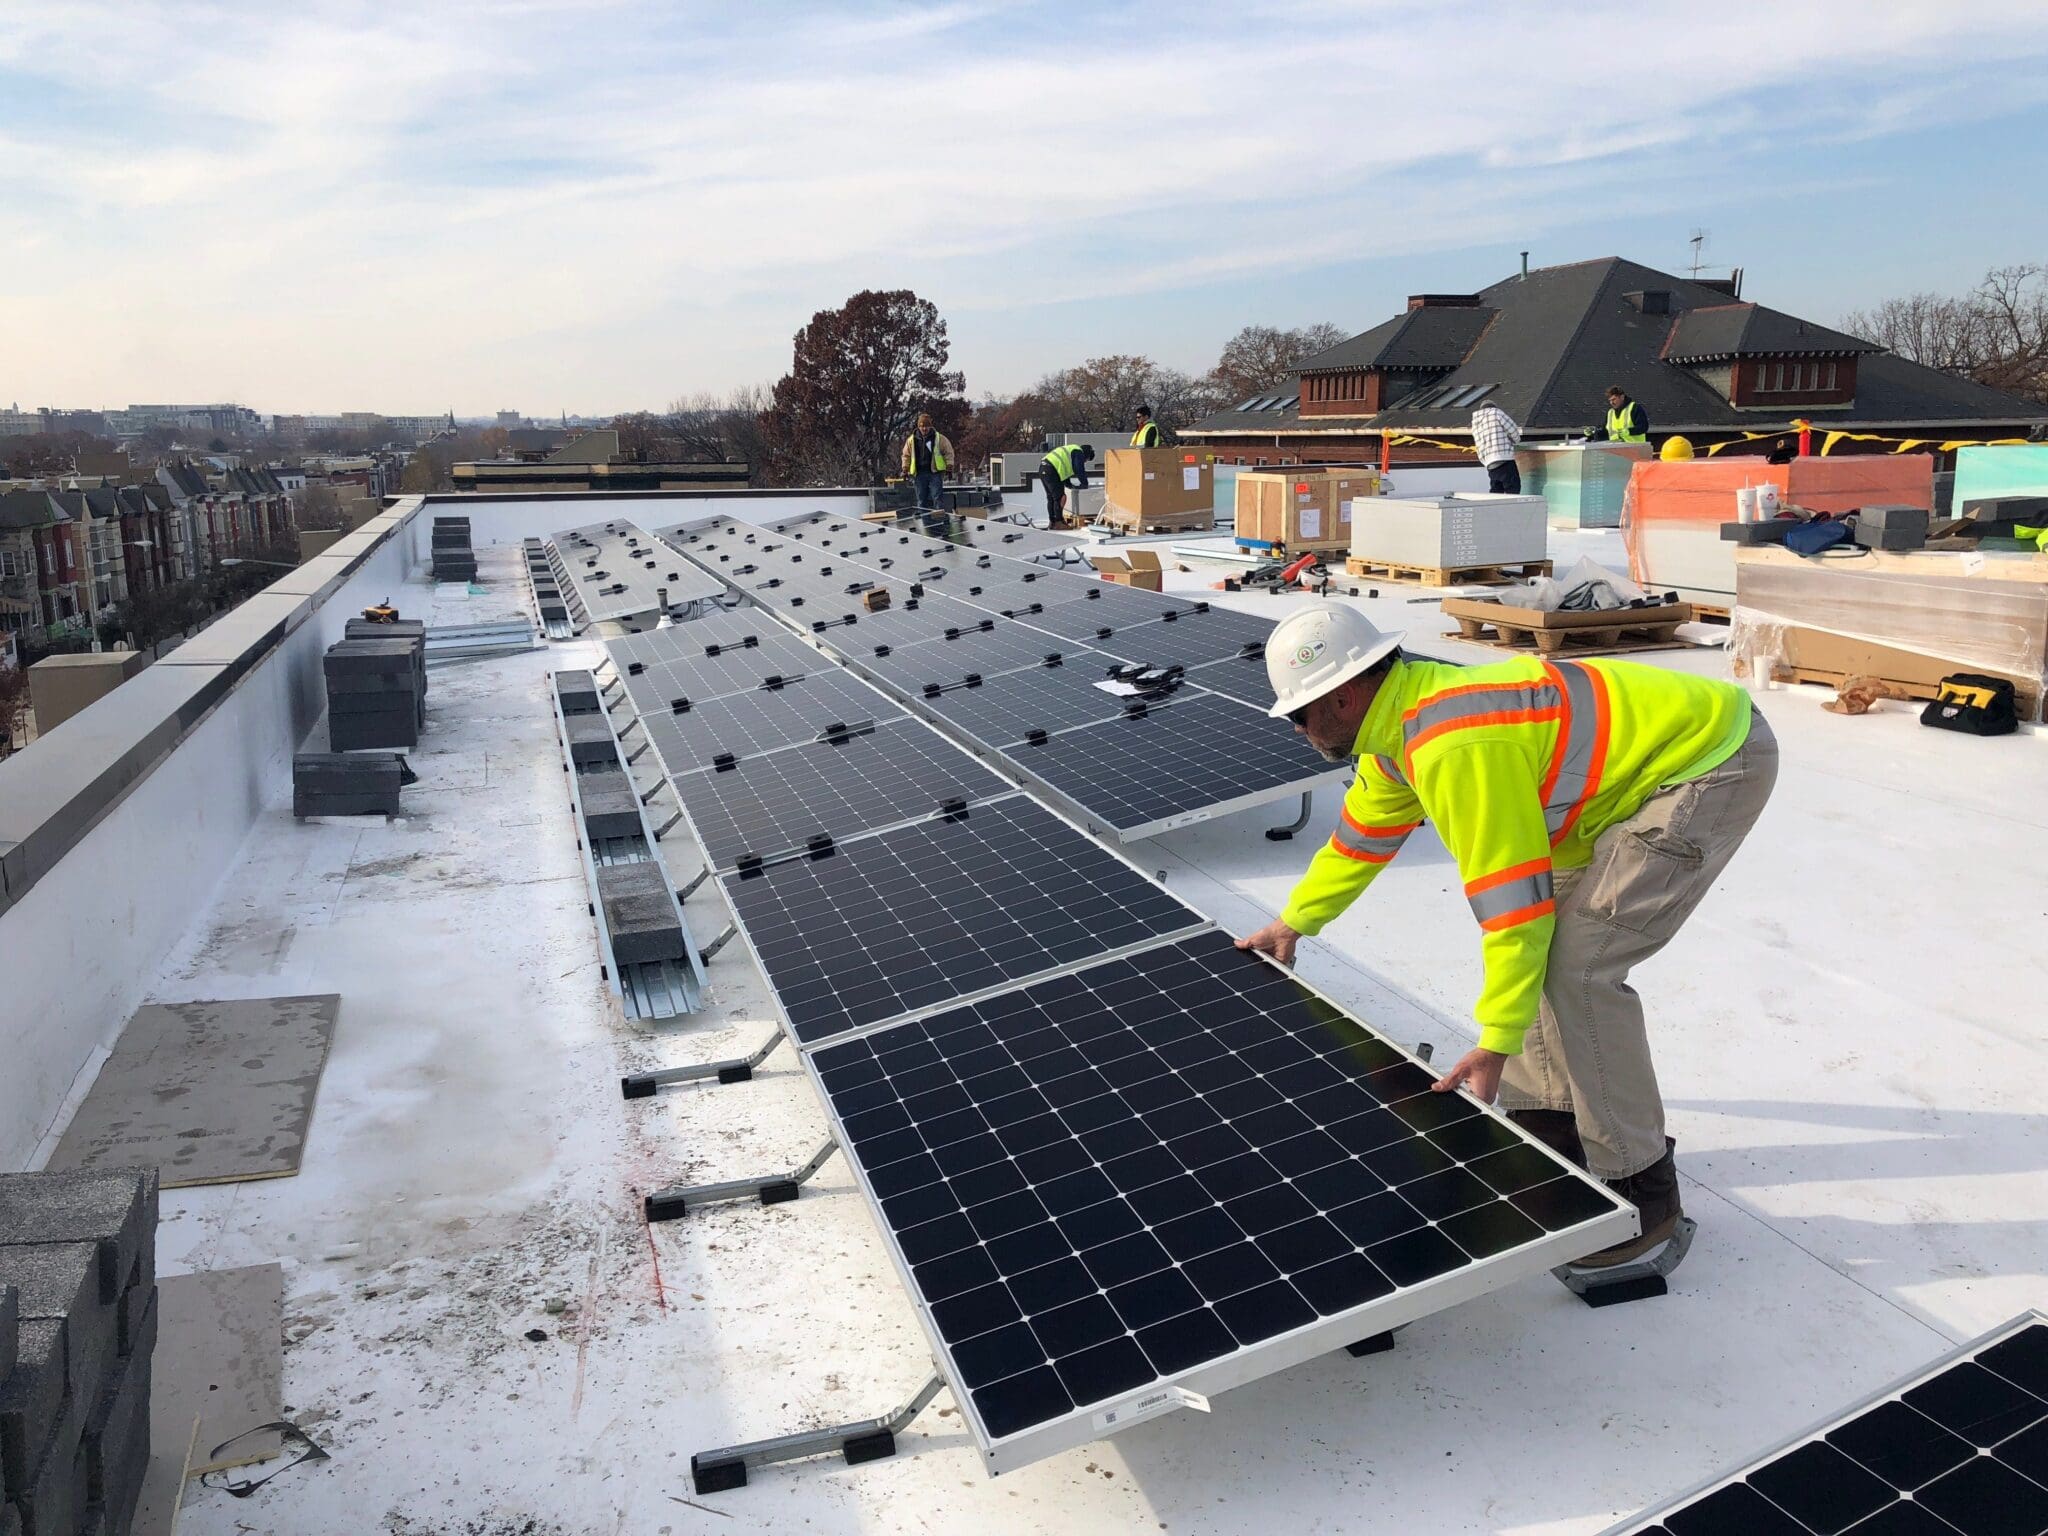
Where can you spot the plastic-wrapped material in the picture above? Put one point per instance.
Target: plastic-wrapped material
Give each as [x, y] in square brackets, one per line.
[1672, 515]
[1910, 618]
[1588, 585]
[1582, 483]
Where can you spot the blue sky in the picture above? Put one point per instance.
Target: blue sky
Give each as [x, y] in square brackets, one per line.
[550, 204]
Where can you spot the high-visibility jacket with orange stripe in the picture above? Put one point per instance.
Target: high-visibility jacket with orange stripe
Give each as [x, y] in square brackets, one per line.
[1521, 765]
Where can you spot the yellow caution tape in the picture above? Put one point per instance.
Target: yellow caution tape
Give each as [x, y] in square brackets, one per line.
[1901, 444]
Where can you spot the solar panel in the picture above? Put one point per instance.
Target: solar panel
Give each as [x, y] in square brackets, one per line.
[1959, 1448]
[618, 570]
[937, 911]
[1011, 705]
[1189, 639]
[677, 663]
[741, 724]
[1111, 608]
[1181, 1167]
[1191, 758]
[906, 623]
[768, 804]
[1002, 649]
[1243, 679]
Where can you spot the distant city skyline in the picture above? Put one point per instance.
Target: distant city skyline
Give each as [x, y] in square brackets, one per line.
[597, 207]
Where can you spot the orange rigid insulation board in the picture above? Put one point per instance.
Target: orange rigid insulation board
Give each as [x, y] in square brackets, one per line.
[1664, 497]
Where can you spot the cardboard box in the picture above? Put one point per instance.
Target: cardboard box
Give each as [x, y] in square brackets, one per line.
[1162, 490]
[1132, 568]
[1302, 510]
[875, 599]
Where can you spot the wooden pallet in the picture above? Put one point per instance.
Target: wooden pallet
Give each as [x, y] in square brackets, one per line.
[1530, 630]
[1710, 613]
[1448, 576]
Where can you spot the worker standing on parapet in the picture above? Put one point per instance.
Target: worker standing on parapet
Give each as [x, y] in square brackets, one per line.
[1590, 805]
[1495, 438]
[1147, 435]
[1627, 421]
[1064, 466]
[927, 455]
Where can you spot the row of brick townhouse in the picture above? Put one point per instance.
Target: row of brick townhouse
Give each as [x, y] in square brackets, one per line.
[72, 548]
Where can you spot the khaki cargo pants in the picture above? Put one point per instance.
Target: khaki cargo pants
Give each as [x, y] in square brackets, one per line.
[1588, 1051]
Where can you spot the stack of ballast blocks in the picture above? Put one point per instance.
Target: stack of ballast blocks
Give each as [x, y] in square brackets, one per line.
[377, 686]
[547, 591]
[454, 560]
[346, 783]
[78, 1322]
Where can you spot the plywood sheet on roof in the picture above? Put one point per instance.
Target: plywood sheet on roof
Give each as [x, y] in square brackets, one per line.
[209, 1092]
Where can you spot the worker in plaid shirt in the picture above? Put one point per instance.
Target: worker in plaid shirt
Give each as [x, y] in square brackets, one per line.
[1495, 434]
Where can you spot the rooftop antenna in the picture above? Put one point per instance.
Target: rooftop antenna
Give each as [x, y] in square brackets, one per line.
[1698, 242]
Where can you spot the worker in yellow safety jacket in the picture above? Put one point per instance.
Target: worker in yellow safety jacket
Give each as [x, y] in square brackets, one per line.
[1627, 421]
[1064, 466]
[1147, 435]
[1589, 805]
[927, 455]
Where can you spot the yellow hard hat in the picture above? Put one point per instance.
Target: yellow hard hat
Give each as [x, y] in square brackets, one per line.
[1675, 448]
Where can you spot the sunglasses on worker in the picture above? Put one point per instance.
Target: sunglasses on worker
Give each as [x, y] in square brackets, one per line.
[1299, 717]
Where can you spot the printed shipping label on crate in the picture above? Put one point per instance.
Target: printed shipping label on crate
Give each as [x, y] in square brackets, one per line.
[1149, 475]
[1311, 520]
[1191, 478]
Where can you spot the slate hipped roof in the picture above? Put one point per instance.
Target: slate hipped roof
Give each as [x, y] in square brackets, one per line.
[1722, 331]
[1549, 344]
[30, 509]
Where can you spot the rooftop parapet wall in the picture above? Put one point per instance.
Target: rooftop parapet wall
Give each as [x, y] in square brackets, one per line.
[116, 827]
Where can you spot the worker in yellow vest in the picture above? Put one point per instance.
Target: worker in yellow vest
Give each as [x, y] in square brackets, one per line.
[1627, 421]
[1147, 435]
[927, 455]
[1590, 805]
[1064, 466]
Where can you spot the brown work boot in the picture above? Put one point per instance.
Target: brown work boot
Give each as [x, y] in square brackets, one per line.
[1654, 1193]
[1557, 1129]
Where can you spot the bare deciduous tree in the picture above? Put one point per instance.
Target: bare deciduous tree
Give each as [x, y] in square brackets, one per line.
[1261, 356]
[1996, 334]
[1104, 393]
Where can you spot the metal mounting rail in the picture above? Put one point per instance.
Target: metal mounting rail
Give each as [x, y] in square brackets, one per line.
[734, 1069]
[865, 1440]
[1282, 834]
[1638, 1279]
[772, 1189]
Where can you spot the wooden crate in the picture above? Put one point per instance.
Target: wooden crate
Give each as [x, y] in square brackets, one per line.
[1610, 632]
[1447, 576]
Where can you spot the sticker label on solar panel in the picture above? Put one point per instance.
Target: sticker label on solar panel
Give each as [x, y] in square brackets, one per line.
[1150, 1406]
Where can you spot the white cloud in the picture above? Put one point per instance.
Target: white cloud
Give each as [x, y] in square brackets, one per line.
[332, 205]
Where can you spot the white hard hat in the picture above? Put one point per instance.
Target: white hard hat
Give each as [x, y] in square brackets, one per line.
[1318, 648]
